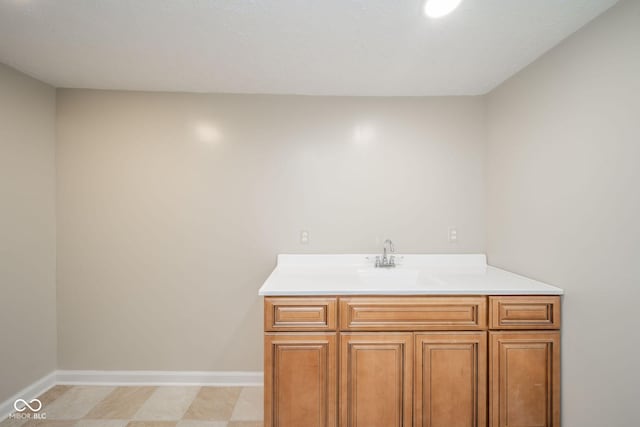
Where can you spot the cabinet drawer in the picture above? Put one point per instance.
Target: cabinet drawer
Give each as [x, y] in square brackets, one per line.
[530, 312]
[413, 313]
[300, 314]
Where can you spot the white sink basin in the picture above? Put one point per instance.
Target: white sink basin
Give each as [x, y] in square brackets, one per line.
[388, 277]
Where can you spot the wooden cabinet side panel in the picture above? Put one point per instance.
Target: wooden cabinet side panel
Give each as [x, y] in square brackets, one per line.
[450, 383]
[300, 380]
[524, 379]
[376, 373]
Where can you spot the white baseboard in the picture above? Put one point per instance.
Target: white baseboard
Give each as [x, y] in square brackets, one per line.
[124, 378]
[30, 392]
[159, 378]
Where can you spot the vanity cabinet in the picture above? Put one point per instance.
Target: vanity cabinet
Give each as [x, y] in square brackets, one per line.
[423, 361]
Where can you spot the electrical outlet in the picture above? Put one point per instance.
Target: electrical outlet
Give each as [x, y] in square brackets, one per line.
[304, 237]
[453, 235]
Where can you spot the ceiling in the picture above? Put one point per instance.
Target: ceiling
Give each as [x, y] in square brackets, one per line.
[315, 47]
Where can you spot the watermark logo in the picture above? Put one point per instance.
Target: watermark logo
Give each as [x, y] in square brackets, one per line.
[24, 405]
[34, 406]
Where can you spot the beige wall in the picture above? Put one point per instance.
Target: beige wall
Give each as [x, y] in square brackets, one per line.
[27, 231]
[564, 204]
[173, 207]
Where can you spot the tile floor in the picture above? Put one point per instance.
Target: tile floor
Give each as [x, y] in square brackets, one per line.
[84, 406]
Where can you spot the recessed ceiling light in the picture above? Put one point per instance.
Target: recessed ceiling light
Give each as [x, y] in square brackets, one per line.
[440, 8]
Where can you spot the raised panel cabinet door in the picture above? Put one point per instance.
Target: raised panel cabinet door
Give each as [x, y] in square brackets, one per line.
[300, 380]
[450, 379]
[524, 379]
[376, 372]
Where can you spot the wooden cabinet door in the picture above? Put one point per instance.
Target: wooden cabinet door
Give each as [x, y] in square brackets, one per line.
[300, 380]
[376, 379]
[524, 379]
[450, 379]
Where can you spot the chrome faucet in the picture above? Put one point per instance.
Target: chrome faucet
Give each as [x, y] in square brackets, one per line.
[386, 262]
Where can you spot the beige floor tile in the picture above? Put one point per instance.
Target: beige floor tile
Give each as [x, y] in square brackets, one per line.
[167, 403]
[53, 394]
[101, 423]
[11, 422]
[152, 424]
[76, 402]
[249, 406]
[122, 403]
[45, 398]
[194, 423]
[245, 424]
[213, 403]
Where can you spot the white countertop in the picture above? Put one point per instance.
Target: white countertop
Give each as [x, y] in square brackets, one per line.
[415, 275]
